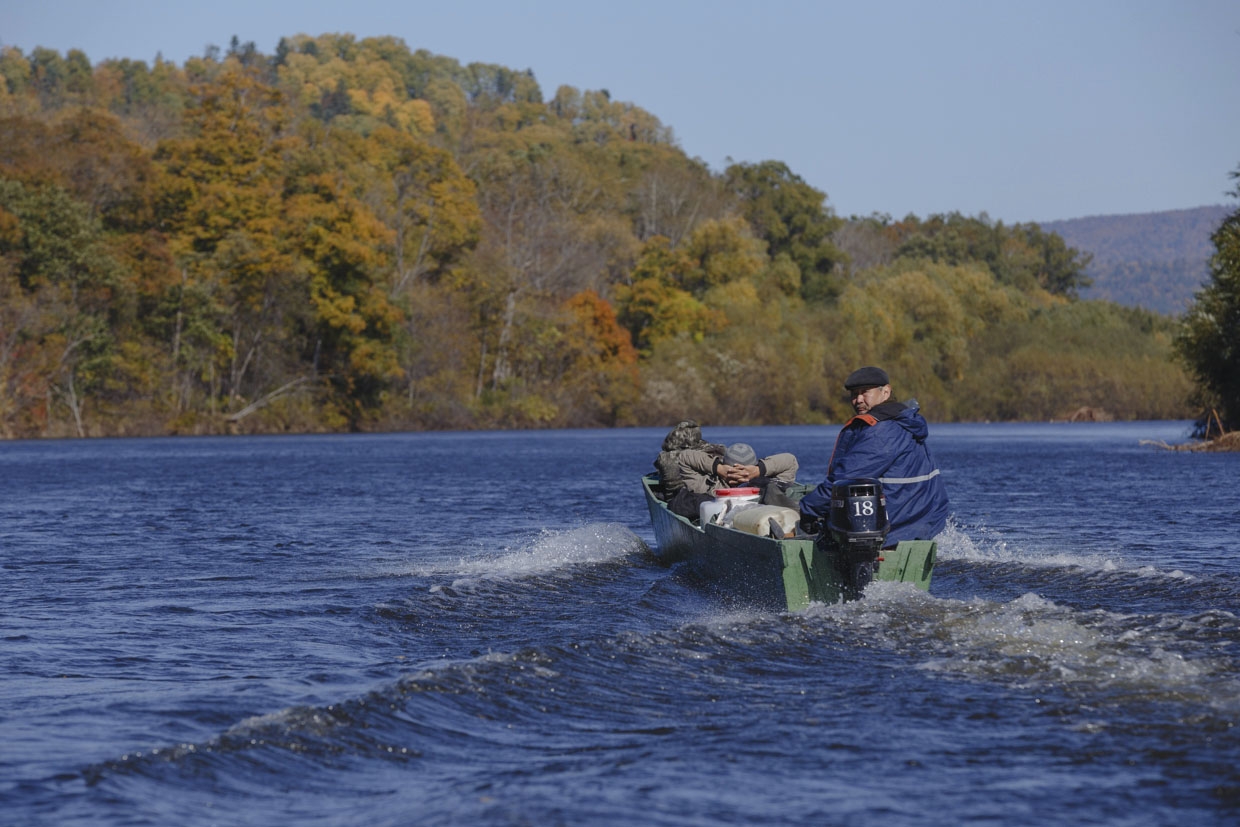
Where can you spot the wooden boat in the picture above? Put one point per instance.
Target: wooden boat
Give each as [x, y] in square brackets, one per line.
[774, 572]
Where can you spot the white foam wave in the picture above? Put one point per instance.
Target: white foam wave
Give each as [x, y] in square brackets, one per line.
[1035, 642]
[1038, 644]
[983, 545]
[548, 552]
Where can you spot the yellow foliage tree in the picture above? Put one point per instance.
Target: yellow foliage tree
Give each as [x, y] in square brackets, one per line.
[339, 78]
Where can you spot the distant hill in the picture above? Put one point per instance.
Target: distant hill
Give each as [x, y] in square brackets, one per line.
[1151, 260]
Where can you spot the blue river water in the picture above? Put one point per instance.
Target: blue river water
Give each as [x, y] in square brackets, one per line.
[470, 628]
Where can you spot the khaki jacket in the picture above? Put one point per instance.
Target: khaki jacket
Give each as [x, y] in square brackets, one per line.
[698, 474]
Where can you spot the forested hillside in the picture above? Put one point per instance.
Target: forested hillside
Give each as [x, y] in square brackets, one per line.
[353, 235]
[1152, 260]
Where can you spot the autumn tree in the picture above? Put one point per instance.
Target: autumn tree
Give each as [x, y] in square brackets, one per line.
[866, 242]
[592, 364]
[222, 201]
[673, 196]
[344, 249]
[544, 241]
[658, 303]
[355, 83]
[431, 219]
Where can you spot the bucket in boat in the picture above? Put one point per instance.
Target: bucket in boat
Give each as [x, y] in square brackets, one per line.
[726, 500]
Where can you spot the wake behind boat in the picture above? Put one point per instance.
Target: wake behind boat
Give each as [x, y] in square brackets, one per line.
[764, 560]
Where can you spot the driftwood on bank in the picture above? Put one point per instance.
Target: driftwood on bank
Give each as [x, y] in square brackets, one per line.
[1227, 442]
[266, 400]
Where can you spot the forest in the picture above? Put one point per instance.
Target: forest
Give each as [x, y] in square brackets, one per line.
[350, 235]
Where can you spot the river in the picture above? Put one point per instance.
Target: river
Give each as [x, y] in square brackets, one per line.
[454, 628]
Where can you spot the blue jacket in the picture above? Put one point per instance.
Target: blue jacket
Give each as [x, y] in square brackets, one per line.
[889, 444]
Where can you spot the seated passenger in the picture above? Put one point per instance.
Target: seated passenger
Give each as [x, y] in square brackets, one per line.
[745, 469]
[704, 470]
[685, 436]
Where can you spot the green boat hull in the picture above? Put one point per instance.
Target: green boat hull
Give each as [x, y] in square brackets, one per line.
[780, 574]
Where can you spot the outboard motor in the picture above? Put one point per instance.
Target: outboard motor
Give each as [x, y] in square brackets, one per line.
[857, 526]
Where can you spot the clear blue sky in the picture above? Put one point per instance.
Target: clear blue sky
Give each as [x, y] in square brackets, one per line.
[1028, 111]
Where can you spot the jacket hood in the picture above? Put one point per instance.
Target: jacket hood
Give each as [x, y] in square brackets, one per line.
[906, 414]
[911, 420]
[890, 409]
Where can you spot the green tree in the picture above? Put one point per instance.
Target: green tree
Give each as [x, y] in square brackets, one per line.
[58, 282]
[1021, 255]
[793, 219]
[1208, 342]
[1069, 356]
[16, 81]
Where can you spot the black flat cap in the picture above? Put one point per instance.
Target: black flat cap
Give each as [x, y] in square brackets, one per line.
[863, 378]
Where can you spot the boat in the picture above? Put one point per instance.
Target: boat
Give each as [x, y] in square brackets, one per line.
[757, 561]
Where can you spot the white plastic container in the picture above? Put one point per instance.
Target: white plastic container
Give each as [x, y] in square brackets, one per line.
[725, 501]
[757, 519]
[711, 510]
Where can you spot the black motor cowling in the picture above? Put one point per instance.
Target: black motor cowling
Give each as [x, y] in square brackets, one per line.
[857, 526]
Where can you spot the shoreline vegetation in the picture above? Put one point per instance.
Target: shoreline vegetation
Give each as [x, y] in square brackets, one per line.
[350, 235]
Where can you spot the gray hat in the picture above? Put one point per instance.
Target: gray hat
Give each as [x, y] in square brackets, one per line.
[739, 453]
[865, 378]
